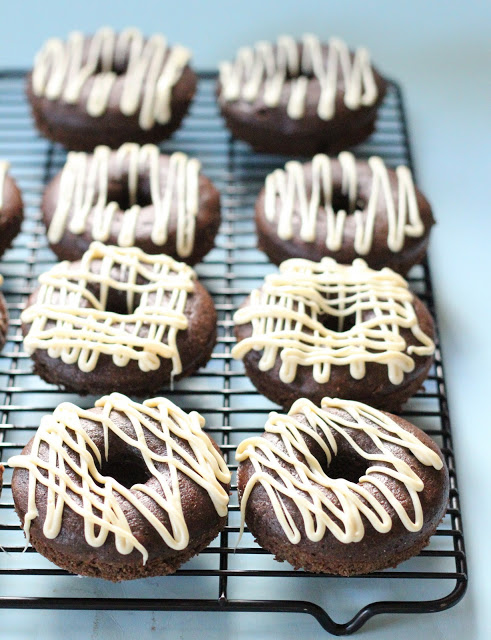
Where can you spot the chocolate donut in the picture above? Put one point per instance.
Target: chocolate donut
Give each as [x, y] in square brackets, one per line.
[4, 318]
[133, 490]
[344, 208]
[300, 98]
[134, 196]
[320, 328]
[110, 88]
[11, 208]
[342, 489]
[118, 319]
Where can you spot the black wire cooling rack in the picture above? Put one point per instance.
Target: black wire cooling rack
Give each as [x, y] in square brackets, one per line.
[223, 577]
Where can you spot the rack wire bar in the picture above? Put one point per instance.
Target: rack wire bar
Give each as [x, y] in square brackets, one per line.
[230, 575]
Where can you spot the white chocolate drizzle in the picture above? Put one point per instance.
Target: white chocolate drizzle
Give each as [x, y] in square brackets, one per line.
[287, 316]
[287, 469]
[71, 323]
[70, 470]
[62, 70]
[4, 167]
[84, 187]
[266, 69]
[287, 193]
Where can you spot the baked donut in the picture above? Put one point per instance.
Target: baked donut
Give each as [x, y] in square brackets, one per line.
[342, 489]
[4, 318]
[11, 208]
[321, 328]
[299, 98]
[110, 88]
[134, 196]
[123, 490]
[344, 208]
[118, 319]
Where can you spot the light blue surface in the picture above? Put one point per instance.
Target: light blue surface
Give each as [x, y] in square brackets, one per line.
[440, 54]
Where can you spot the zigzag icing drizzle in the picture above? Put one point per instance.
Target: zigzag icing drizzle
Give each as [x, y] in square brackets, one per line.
[84, 188]
[286, 316]
[303, 480]
[286, 192]
[80, 334]
[62, 70]
[96, 496]
[266, 68]
[4, 167]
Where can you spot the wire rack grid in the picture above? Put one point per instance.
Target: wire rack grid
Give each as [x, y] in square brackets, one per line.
[226, 576]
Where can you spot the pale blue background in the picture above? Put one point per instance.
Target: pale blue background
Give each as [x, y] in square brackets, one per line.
[440, 52]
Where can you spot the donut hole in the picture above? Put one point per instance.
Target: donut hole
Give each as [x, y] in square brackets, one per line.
[119, 63]
[118, 67]
[347, 466]
[126, 467]
[117, 302]
[117, 299]
[338, 324]
[340, 202]
[119, 192]
[304, 73]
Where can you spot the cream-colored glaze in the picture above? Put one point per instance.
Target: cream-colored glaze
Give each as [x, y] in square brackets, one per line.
[95, 497]
[287, 469]
[286, 193]
[266, 69]
[83, 192]
[286, 316]
[79, 334]
[4, 167]
[63, 70]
